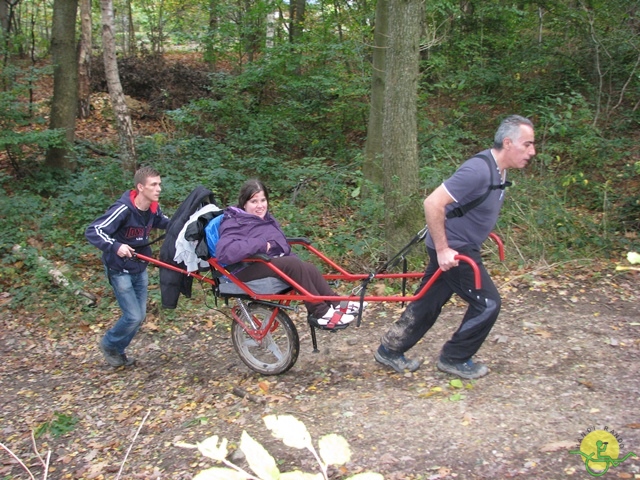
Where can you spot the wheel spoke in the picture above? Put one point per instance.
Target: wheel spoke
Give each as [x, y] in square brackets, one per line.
[249, 342]
[269, 344]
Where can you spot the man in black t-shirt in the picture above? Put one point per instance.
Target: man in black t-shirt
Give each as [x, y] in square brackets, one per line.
[450, 235]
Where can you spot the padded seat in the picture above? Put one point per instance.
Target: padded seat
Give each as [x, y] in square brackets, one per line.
[262, 286]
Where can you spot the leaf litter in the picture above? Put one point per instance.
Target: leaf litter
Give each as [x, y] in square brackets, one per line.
[554, 374]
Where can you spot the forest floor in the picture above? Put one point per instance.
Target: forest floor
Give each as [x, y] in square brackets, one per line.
[564, 357]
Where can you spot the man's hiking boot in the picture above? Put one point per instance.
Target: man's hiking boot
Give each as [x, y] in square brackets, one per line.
[397, 361]
[468, 369]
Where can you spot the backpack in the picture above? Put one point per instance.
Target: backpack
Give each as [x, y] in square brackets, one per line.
[212, 234]
[463, 209]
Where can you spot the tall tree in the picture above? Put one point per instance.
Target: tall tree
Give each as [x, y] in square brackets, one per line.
[403, 215]
[372, 165]
[123, 118]
[65, 80]
[211, 35]
[296, 19]
[132, 44]
[84, 61]
[4, 16]
[156, 13]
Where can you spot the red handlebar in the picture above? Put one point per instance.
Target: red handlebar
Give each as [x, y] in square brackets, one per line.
[498, 241]
[476, 270]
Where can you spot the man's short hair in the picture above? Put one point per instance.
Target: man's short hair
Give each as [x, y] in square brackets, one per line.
[509, 128]
[142, 174]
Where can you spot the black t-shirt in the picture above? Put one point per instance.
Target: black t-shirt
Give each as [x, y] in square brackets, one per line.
[146, 215]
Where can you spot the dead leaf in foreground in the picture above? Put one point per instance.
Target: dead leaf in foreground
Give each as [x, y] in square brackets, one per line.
[560, 445]
[543, 333]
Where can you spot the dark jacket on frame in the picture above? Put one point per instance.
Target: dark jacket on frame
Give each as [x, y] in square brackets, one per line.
[172, 284]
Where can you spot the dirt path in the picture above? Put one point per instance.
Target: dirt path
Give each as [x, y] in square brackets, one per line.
[563, 358]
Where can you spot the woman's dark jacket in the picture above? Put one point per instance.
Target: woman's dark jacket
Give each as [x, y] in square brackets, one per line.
[172, 284]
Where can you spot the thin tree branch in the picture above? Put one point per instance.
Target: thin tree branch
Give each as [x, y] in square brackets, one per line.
[45, 465]
[132, 442]
[18, 460]
[626, 84]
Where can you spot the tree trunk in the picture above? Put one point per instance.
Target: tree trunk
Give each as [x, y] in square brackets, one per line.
[84, 61]
[4, 17]
[65, 81]
[133, 44]
[210, 55]
[271, 30]
[252, 29]
[123, 119]
[296, 18]
[403, 217]
[372, 166]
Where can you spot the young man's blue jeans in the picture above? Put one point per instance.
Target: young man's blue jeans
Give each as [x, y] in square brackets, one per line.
[131, 292]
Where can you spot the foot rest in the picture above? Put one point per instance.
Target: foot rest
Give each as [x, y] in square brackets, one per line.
[314, 323]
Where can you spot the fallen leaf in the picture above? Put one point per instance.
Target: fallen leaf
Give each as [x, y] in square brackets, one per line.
[586, 383]
[559, 445]
[543, 333]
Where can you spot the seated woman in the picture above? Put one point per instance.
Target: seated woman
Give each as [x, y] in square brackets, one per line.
[249, 229]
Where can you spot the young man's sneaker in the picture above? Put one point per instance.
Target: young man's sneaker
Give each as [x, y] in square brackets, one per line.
[468, 369]
[397, 361]
[112, 357]
[127, 361]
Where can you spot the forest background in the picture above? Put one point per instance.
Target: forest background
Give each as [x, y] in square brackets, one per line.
[220, 92]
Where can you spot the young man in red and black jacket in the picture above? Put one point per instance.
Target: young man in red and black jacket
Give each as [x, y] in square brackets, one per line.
[122, 231]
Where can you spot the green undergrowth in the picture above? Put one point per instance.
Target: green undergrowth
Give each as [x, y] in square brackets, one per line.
[545, 219]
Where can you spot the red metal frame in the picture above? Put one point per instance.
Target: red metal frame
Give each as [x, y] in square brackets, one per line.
[259, 333]
[299, 293]
[498, 241]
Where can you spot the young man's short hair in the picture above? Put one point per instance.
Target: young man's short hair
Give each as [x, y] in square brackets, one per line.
[142, 174]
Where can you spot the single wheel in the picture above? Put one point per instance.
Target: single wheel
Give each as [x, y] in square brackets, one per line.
[277, 352]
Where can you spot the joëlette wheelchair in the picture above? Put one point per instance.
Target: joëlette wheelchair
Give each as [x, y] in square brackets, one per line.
[263, 334]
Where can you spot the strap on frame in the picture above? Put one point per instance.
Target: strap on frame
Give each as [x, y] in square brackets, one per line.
[400, 256]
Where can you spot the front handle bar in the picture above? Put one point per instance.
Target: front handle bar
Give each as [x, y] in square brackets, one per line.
[476, 271]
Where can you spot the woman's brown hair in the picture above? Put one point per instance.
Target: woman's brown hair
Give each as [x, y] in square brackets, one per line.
[249, 189]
